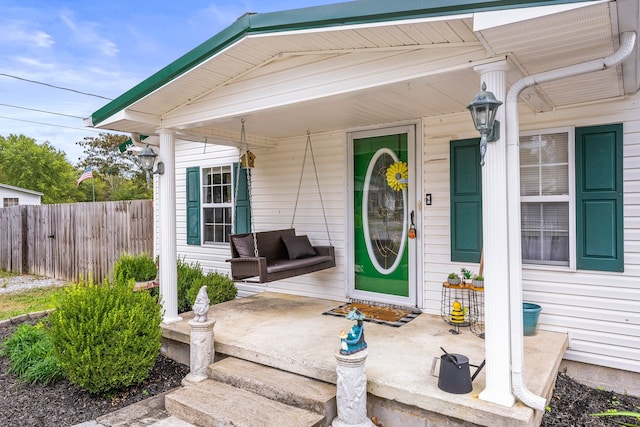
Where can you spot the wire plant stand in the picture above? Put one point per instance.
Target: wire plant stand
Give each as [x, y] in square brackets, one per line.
[463, 306]
[455, 306]
[476, 316]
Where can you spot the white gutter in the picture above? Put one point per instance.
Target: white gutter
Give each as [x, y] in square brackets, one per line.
[627, 43]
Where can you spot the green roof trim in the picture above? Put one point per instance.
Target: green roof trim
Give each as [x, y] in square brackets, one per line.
[334, 15]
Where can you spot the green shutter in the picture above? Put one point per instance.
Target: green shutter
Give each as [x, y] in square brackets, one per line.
[466, 200]
[599, 198]
[242, 218]
[193, 206]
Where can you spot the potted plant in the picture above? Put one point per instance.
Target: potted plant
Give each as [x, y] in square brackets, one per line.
[453, 279]
[141, 268]
[466, 274]
[477, 281]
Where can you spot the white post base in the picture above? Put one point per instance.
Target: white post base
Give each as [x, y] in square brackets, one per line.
[201, 351]
[351, 393]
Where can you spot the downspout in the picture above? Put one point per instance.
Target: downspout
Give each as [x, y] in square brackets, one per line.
[627, 43]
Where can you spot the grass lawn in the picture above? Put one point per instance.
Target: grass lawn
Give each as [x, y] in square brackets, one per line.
[4, 274]
[28, 301]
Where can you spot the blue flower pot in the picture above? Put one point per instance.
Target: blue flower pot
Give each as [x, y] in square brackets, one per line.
[531, 313]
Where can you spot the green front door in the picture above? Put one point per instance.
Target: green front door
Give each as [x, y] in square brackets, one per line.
[380, 214]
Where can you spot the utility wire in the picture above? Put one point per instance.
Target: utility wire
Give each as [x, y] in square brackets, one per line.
[41, 111]
[50, 124]
[55, 87]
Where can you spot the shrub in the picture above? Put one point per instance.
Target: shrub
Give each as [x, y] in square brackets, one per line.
[220, 288]
[140, 268]
[30, 353]
[187, 274]
[105, 337]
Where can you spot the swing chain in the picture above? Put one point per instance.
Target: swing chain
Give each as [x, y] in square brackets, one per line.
[243, 141]
[309, 147]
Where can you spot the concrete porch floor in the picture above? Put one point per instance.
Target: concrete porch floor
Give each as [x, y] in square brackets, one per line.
[289, 332]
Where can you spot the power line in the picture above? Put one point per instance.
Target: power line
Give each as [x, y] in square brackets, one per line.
[54, 86]
[49, 124]
[42, 111]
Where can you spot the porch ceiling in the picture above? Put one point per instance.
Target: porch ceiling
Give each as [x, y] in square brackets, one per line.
[332, 78]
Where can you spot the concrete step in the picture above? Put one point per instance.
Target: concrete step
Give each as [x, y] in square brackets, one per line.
[213, 404]
[171, 422]
[285, 387]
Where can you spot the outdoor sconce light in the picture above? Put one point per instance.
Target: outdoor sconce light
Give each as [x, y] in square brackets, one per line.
[148, 157]
[483, 110]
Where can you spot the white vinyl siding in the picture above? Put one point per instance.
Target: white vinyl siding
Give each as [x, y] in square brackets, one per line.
[598, 310]
[275, 180]
[211, 257]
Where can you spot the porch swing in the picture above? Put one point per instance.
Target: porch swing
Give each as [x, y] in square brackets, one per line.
[267, 256]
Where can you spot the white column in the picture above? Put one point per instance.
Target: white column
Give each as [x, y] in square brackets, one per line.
[496, 250]
[167, 210]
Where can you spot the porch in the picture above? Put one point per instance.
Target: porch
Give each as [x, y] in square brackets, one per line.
[290, 333]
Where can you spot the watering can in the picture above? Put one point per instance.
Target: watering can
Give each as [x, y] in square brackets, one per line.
[455, 372]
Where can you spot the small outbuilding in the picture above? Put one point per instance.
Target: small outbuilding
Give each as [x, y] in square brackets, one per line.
[14, 196]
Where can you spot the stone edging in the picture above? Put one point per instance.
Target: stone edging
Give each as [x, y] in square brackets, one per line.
[16, 320]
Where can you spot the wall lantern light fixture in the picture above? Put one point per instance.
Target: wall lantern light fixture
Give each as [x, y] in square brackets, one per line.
[483, 110]
[148, 157]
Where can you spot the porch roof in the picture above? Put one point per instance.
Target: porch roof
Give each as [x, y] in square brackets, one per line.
[358, 63]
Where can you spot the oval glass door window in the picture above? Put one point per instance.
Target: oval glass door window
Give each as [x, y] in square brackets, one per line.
[384, 214]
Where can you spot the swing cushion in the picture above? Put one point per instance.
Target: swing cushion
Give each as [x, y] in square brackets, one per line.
[244, 246]
[298, 247]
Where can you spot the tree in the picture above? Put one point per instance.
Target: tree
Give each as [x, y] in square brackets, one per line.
[118, 175]
[38, 167]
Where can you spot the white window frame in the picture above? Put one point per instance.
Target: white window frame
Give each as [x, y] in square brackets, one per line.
[570, 198]
[205, 170]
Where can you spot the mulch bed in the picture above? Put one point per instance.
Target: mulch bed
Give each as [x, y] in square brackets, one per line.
[65, 404]
[573, 403]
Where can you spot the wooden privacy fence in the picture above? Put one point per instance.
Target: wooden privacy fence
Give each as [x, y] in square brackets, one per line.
[73, 241]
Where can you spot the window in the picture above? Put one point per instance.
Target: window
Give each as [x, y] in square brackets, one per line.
[571, 198]
[572, 205]
[216, 204]
[209, 205]
[9, 201]
[546, 195]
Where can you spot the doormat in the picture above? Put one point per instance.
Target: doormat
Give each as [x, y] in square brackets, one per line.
[376, 313]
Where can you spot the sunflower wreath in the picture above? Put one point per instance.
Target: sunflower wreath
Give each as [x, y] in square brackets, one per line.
[398, 176]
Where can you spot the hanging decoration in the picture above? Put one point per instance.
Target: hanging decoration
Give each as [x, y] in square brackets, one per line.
[398, 176]
[248, 160]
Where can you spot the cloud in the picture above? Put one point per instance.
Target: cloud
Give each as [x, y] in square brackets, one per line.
[19, 32]
[33, 62]
[87, 35]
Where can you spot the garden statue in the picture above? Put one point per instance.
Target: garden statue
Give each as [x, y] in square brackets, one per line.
[457, 313]
[201, 306]
[201, 346]
[457, 316]
[353, 341]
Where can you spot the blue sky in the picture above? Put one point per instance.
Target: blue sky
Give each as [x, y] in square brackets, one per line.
[99, 48]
